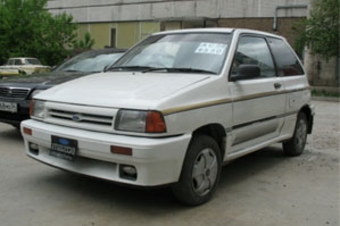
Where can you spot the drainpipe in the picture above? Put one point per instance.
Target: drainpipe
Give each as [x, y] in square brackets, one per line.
[286, 7]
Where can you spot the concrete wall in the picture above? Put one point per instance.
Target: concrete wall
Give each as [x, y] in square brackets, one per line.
[85, 11]
[127, 33]
[99, 17]
[284, 25]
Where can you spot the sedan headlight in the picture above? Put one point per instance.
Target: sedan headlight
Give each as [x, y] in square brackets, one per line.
[140, 121]
[37, 109]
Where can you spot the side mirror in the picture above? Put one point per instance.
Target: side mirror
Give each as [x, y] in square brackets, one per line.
[246, 71]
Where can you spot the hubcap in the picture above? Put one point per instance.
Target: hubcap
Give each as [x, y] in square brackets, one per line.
[204, 173]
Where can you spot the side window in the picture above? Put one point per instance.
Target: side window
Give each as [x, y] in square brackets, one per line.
[10, 62]
[254, 51]
[286, 61]
[18, 62]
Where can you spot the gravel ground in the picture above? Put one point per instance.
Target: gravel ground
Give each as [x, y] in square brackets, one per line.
[265, 188]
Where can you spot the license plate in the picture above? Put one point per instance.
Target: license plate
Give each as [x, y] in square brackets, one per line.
[8, 106]
[63, 148]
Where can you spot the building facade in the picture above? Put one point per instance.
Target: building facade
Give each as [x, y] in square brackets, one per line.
[123, 23]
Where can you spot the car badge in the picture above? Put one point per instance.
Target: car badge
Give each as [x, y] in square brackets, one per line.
[77, 118]
[64, 141]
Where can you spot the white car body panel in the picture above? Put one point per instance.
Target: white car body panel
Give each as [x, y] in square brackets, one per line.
[124, 90]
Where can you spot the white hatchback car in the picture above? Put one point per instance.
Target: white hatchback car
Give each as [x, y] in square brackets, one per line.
[174, 109]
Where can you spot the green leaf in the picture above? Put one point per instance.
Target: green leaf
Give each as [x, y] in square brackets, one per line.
[28, 30]
[320, 32]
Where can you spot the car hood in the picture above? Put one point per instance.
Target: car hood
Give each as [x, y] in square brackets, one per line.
[121, 89]
[48, 79]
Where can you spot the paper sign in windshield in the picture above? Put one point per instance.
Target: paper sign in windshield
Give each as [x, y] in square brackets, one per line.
[211, 48]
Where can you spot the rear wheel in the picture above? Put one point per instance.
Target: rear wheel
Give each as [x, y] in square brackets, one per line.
[296, 145]
[200, 172]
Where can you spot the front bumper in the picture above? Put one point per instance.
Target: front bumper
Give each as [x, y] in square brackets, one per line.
[158, 161]
[15, 118]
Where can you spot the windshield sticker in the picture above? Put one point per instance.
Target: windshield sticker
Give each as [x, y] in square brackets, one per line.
[211, 48]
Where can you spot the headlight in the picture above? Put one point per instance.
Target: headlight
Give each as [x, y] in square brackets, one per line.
[37, 109]
[140, 121]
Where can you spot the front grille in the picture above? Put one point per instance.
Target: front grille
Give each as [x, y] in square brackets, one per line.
[16, 93]
[81, 117]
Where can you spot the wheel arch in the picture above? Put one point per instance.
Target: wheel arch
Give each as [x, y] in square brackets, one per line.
[310, 117]
[215, 131]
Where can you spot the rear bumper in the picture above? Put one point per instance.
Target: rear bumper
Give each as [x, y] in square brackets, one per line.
[158, 161]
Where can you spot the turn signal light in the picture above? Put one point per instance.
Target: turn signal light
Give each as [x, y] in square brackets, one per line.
[27, 131]
[121, 150]
[155, 122]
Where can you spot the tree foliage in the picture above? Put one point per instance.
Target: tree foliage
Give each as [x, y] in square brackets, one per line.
[84, 44]
[320, 32]
[29, 30]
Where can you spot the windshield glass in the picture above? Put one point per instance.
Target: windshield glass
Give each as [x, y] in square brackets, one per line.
[89, 62]
[189, 52]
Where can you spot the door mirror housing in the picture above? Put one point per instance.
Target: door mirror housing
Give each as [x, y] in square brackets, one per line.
[246, 71]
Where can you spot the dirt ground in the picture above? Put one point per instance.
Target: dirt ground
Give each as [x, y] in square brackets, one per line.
[265, 188]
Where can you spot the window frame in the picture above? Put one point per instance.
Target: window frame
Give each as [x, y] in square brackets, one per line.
[269, 38]
[265, 38]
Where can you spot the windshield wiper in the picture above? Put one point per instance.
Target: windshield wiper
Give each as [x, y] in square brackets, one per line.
[128, 68]
[174, 70]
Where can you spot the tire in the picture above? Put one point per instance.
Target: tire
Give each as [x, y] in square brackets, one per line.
[200, 172]
[296, 145]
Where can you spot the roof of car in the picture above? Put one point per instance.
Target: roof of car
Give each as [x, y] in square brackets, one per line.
[217, 30]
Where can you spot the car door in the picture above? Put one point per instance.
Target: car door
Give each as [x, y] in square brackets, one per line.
[258, 101]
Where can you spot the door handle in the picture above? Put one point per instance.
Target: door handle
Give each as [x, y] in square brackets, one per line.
[277, 85]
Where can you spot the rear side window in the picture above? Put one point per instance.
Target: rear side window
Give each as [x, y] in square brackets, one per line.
[286, 61]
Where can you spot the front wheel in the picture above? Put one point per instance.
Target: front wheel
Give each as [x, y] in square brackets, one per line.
[295, 145]
[200, 172]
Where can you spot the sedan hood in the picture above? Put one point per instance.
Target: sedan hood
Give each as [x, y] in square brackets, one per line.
[121, 89]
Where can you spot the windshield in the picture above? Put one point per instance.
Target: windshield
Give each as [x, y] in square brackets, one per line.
[89, 62]
[189, 52]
